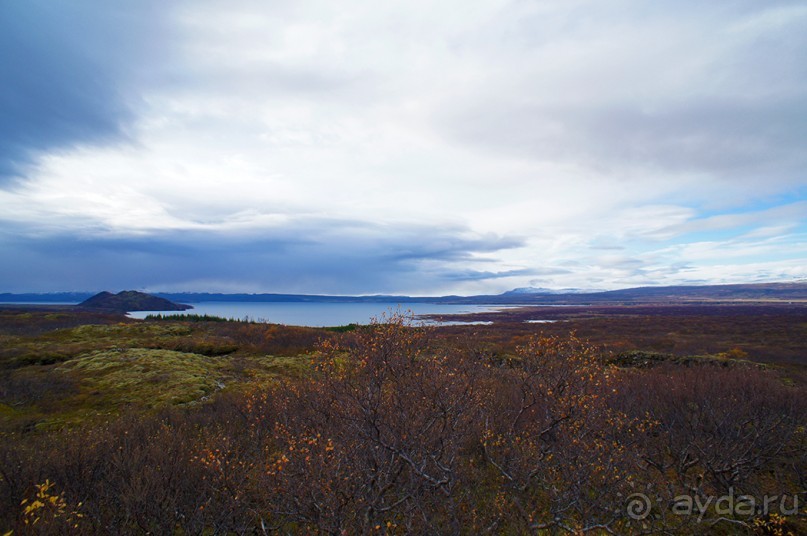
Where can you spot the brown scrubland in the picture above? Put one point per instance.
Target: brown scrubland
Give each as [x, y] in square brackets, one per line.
[599, 423]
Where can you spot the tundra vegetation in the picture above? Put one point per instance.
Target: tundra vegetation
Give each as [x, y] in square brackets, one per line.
[198, 426]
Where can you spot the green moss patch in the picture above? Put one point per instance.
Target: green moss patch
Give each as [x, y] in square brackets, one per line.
[146, 377]
[67, 376]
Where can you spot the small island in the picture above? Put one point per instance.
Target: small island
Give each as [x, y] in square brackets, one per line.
[131, 300]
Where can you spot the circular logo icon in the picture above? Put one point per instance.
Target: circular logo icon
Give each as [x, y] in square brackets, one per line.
[638, 506]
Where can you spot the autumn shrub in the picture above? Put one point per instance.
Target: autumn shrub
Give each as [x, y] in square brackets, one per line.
[137, 474]
[563, 456]
[375, 438]
[718, 431]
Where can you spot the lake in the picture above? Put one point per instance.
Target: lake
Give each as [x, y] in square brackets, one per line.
[317, 314]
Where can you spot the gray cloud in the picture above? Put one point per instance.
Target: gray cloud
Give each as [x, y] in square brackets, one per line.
[477, 275]
[710, 88]
[727, 139]
[309, 256]
[68, 70]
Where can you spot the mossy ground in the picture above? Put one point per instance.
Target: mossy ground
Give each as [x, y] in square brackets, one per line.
[66, 376]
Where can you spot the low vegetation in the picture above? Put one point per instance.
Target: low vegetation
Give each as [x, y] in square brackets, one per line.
[187, 426]
[186, 317]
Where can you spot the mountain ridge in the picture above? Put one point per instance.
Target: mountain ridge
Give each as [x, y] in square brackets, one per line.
[543, 290]
[780, 291]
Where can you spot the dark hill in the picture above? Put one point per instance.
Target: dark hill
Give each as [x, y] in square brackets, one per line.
[131, 300]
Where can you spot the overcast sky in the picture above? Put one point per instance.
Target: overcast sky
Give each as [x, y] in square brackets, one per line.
[408, 146]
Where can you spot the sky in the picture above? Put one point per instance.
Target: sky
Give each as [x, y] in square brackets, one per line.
[401, 147]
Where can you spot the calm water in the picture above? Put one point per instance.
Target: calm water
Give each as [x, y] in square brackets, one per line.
[316, 314]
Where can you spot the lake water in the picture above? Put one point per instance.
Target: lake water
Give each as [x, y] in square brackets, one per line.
[316, 314]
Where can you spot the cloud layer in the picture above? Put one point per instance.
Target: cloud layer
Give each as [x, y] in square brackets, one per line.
[470, 147]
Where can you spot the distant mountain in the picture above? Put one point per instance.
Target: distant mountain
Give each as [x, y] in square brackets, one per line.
[780, 292]
[796, 291]
[131, 300]
[541, 290]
